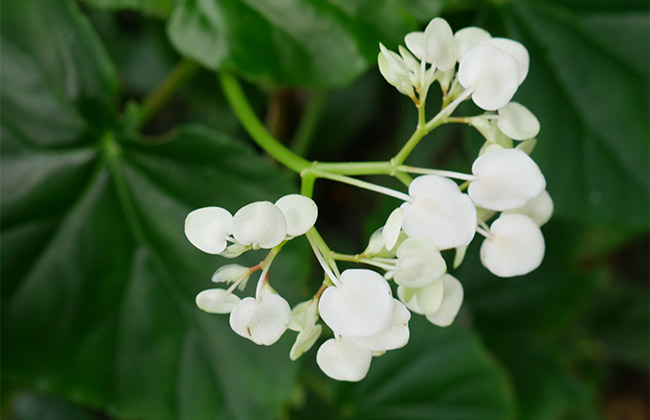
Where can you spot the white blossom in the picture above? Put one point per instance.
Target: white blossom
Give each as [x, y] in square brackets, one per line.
[439, 212]
[362, 305]
[393, 337]
[263, 319]
[418, 263]
[505, 179]
[216, 301]
[468, 38]
[423, 300]
[435, 45]
[305, 340]
[451, 302]
[230, 273]
[207, 228]
[392, 228]
[342, 359]
[300, 213]
[517, 51]
[490, 74]
[514, 247]
[395, 71]
[517, 122]
[540, 209]
[260, 224]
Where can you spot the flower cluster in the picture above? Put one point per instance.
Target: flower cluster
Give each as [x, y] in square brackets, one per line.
[504, 199]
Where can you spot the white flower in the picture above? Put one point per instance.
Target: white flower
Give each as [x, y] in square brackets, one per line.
[468, 38]
[490, 74]
[451, 302]
[216, 301]
[305, 340]
[505, 179]
[517, 51]
[540, 209]
[423, 300]
[392, 228]
[439, 212]
[300, 213]
[304, 315]
[262, 320]
[435, 45]
[362, 305]
[418, 263]
[515, 246]
[230, 273]
[395, 71]
[517, 122]
[260, 224]
[342, 359]
[395, 336]
[207, 228]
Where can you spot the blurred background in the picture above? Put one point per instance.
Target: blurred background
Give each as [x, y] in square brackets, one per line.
[114, 126]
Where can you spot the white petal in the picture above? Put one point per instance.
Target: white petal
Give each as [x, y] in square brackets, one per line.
[216, 301]
[439, 44]
[207, 228]
[412, 64]
[261, 320]
[393, 337]
[451, 302]
[230, 273]
[234, 250]
[467, 38]
[459, 256]
[300, 213]
[527, 146]
[439, 212]
[517, 122]
[515, 246]
[394, 70]
[260, 224]
[305, 340]
[419, 263]
[392, 228]
[361, 306]
[491, 74]
[430, 297]
[415, 42]
[304, 315]
[408, 296]
[540, 209]
[505, 179]
[516, 50]
[343, 360]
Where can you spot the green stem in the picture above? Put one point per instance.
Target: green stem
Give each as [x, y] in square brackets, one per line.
[159, 97]
[309, 122]
[361, 184]
[254, 127]
[307, 185]
[448, 174]
[356, 168]
[420, 132]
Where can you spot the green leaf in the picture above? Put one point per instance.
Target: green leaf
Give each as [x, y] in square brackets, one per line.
[588, 85]
[157, 8]
[296, 42]
[32, 406]
[98, 279]
[443, 373]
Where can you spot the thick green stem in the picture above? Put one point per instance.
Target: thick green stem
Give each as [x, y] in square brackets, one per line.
[159, 97]
[254, 127]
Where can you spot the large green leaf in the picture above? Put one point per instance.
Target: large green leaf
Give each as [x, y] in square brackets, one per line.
[159, 8]
[443, 373]
[298, 42]
[98, 280]
[588, 85]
